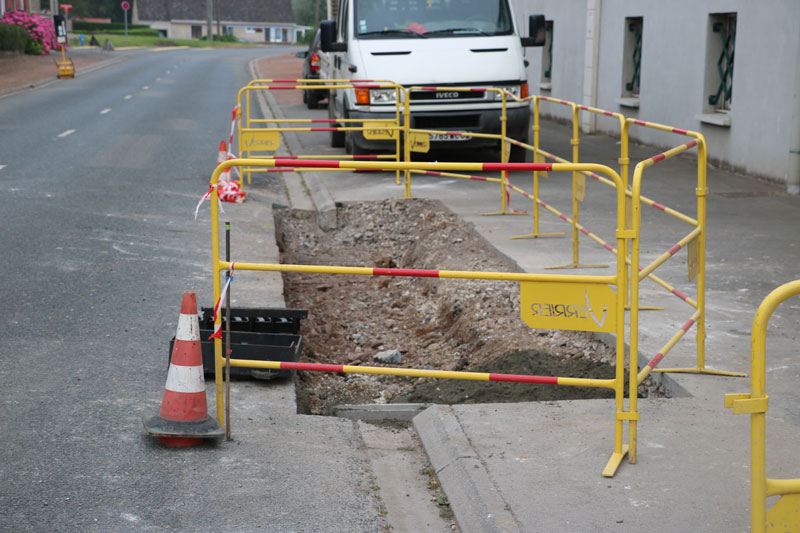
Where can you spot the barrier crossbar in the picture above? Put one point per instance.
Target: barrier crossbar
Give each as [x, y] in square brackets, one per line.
[783, 515]
[560, 282]
[260, 137]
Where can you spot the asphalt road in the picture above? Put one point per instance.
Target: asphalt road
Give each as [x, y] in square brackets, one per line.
[99, 178]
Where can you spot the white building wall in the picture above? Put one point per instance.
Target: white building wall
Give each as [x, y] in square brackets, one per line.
[766, 103]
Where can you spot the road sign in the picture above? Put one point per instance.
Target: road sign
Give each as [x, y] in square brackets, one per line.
[126, 6]
[60, 24]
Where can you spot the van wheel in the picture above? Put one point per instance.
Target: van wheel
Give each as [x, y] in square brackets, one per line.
[518, 155]
[337, 137]
[351, 147]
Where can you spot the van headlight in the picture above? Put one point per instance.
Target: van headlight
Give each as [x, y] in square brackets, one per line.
[516, 90]
[382, 96]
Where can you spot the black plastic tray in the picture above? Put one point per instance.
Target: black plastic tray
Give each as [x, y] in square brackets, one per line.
[275, 320]
[252, 346]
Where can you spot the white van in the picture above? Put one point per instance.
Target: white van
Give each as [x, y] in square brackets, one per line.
[468, 43]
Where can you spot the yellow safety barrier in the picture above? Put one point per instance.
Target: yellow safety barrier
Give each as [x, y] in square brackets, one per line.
[260, 138]
[695, 243]
[785, 514]
[578, 179]
[550, 301]
[422, 136]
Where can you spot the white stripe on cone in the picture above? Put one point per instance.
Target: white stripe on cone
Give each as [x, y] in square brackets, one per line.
[188, 328]
[185, 379]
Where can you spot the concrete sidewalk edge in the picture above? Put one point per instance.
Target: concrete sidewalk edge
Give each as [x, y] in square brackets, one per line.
[475, 500]
[320, 196]
[44, 82]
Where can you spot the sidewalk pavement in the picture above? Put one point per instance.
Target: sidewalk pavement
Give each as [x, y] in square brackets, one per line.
[537, 466]
[18, 73]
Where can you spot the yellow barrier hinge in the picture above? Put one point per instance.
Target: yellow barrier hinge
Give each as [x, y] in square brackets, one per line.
[702, 192]
[627, 415]
[626, 234]
[623, 160]
[745, 404]
[575, 142]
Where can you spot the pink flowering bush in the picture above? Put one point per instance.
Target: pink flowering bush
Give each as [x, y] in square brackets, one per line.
[40, 30]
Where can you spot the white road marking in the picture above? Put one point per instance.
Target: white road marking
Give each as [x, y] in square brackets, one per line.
[2, 167]
[146, 87]
[128, 97]
[65, 133]
[106, 110]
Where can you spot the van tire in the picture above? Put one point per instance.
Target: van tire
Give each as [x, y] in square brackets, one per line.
[518, 155]
[337, 137]
[351, 147]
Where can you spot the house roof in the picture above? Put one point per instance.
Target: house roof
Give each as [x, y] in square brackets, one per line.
[238, 10]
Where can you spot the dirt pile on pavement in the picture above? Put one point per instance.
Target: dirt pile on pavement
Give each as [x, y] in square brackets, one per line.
[443, 324]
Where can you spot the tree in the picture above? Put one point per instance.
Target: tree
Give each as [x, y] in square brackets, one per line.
[308, 12]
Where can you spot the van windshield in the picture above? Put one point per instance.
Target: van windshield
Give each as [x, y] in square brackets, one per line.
[392, 19]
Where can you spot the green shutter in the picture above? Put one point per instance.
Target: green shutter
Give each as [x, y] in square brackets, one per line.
[727, 32]
[633, 85]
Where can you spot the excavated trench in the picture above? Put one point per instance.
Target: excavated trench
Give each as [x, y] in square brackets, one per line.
[443, 324]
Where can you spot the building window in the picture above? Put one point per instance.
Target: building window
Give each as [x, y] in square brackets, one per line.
[718, 87]
[197, 32]
[724, 26]
[547, 57]
[632, 61]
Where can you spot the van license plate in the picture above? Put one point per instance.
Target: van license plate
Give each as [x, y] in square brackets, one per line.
[448, 137]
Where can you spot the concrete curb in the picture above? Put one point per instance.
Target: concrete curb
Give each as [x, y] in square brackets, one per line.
[381, 412]
[474, 498]
[320, 196]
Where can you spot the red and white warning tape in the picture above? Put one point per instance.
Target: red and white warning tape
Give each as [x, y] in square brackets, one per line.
[218, 327]
[204, 198]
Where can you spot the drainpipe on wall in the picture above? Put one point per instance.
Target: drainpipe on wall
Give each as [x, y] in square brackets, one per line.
[793, 168]
[591, 52]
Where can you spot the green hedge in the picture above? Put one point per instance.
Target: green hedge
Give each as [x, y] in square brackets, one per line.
[105, 27]
[141, 32]
[13, 38]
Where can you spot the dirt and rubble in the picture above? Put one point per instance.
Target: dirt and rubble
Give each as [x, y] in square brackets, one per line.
[442, 324]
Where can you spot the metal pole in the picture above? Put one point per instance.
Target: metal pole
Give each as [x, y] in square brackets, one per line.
[126, 25]
[228, 336]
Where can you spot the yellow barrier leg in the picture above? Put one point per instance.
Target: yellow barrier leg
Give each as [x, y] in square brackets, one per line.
[578, 192]
[536, 159]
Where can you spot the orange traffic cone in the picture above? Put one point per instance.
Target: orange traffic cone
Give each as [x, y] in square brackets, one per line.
[223, 152]
[183, 420]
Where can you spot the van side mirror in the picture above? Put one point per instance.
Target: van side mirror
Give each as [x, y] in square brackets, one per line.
[536, 30]
[327, 30]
